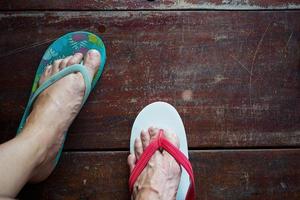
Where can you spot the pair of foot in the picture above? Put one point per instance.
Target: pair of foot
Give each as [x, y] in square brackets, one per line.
[56, 108]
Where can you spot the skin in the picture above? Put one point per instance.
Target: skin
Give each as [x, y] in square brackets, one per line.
[30, 156]
[160, 178]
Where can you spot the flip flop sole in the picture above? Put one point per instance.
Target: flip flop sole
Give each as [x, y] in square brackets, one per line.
[163, 115]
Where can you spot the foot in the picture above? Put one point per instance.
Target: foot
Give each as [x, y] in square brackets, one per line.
[55, 109]
[160, 178]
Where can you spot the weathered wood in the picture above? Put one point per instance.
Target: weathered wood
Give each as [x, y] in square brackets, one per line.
[220, 175]
[149, 4]
[239, 4]
[233, 76]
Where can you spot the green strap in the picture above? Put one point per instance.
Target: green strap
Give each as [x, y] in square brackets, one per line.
[66, 71]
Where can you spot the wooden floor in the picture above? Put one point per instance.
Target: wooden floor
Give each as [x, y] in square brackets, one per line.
[230, 67]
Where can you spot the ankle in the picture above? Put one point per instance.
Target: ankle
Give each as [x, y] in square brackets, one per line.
[34, 146]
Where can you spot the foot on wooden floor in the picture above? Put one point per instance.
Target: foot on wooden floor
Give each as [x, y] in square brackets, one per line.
[56, 108]
[160, 178]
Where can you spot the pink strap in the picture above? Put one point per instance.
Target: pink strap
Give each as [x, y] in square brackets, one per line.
[161, 142]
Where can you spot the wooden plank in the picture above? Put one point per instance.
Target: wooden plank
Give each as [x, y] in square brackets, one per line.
[233, 76]
[220, 175]
[240, 4]
[88, 5]
[148, 4]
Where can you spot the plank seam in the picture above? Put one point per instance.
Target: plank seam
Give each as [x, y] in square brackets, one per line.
[141, 10]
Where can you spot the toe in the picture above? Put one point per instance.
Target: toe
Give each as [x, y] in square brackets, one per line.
[138, 148]
[92, 61]
[153, 132]
[64, 62]
[48, 69]
[173, 165]
[46, 74]
[55, 66]
[131, 161]
[145, 137]
[76, 59]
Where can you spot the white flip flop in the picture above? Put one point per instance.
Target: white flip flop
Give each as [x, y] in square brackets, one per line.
[164, 116]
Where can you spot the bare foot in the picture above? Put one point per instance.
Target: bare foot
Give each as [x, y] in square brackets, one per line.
[55, 109]
[160, 178]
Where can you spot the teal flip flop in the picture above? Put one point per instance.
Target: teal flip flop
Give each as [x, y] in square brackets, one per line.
[66, 45]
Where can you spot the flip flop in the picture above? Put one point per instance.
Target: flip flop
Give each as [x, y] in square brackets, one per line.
[66, 45]
[164, 116]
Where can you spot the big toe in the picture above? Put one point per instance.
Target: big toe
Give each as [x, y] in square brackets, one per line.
[92, 61]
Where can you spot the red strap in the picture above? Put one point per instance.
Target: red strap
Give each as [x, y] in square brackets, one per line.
[161, 142]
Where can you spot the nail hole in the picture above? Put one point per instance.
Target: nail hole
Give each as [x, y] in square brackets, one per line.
[101, 29]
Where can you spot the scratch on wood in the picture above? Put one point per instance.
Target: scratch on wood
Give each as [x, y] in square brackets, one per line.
[288, 41]
[182, 30]
[242, 65]
[32, 45]
[18, 50]
[246, 177]
[253, 61]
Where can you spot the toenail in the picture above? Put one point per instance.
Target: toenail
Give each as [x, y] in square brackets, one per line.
[78, 54]
[143, 135]
[93, 52]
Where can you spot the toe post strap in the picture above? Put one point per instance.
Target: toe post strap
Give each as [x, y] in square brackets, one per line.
[162, 142]
[66, 71]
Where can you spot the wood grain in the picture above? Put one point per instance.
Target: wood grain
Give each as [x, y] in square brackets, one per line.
[233, 76]
[220, 175]
[149, 4]
[240, 4]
